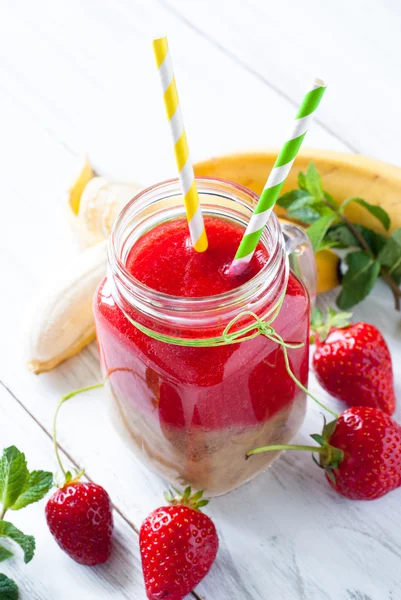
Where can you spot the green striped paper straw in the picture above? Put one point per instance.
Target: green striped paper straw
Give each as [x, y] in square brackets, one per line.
[276, 179]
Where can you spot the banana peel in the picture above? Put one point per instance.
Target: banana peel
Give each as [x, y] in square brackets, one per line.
[85, 174]
[327, 266]
[344, 176]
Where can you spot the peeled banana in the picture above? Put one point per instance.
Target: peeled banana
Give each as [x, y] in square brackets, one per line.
[61, 323]
[100, 203]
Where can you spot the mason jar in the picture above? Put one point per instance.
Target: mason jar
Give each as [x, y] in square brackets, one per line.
[192, 412]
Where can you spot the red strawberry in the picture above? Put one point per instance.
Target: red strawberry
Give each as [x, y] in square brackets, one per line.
[371, 445]
[79, 516]
[178, 546]
[360, 452]
[353, 362]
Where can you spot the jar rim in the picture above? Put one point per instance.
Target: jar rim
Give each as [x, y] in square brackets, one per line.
[206, 186]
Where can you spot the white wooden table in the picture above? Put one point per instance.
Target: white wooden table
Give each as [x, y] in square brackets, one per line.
[77, 76]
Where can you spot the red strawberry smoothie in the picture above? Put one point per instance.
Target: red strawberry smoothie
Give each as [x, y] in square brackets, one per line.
[192, 413]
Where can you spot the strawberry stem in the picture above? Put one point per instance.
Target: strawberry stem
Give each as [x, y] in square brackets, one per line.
[62, 400]
[276, 447]
[302, 387]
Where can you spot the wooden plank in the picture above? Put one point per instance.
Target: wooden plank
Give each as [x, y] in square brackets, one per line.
[51, 571]
[88, 81]
[272, 531]
[98, 87]
[344, 43]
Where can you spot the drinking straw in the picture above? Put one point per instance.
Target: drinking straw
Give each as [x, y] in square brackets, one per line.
[181, 150]
[277, 176]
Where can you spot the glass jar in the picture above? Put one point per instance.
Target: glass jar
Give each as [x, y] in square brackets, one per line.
[192, 413]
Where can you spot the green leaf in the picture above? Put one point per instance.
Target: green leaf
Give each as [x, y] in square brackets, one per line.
[318, 230]
[376, 211]
[317, 318]
[292, 196]
[342, 236]
[358, 281]
[329, 429]
[327, 244]
[302, 181]
[13, 475]
[313, 182]
[338, 319]
[331, 476]
[26, 542]
[8, 588]
[36, 487]
[5, 554]
[306, 214]
[330, 200]
[374, 240]
[390, 256]
[318, 438]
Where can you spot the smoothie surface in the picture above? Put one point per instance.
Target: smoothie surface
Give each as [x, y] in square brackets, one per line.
[164, 259]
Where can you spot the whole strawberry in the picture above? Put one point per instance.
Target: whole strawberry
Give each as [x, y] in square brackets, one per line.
[371, 445]
[178, 546]
[353, 362]
[360, 453]
[79, 514]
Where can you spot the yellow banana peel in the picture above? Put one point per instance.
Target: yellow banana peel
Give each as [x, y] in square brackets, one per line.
[343, 175]
[85, 174]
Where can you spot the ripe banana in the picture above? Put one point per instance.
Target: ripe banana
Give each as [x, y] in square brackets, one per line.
[62, 320]
[85, 174]
[343, 175]
[63, 323]
[100, 203]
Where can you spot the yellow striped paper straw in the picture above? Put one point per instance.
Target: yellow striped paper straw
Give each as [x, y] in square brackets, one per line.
[181, 150]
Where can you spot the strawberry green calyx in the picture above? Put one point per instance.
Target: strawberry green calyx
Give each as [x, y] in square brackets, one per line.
[322, 326]
[67, 475]
[329, 456]
[195, 501]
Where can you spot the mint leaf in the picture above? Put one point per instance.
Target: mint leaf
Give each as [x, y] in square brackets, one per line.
[306, 215]
[289, 197]
[304, 209]
[36, 486]
[374, 240]
[13, 475]
[5, 554]
[363, 271]
[318, 230]
[390, 256]
[330, 200]
[376, 211]
[342, 236]
[302, 181]
[26, 542]
[345, 238]
[313, 182]
[8, 588]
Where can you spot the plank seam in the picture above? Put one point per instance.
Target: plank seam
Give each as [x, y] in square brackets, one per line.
[76, 465]
[250, 70]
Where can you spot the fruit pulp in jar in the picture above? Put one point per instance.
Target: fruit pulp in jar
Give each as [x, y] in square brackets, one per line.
[192, 413]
